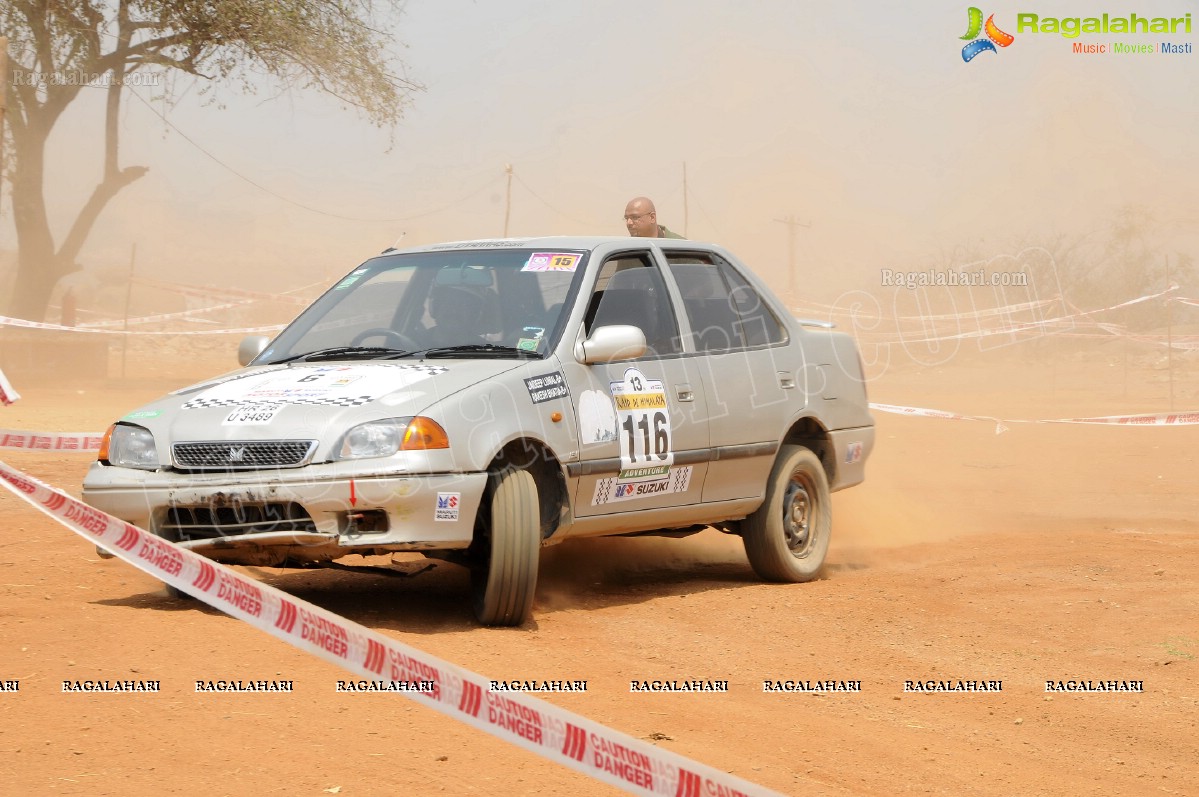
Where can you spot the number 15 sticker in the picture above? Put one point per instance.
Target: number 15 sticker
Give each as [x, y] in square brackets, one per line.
[643, 424]
[552, 261]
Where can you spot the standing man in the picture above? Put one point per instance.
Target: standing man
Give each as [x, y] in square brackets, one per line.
[641, 219]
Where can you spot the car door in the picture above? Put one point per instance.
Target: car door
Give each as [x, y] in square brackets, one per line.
[643, 428]
[749, 368]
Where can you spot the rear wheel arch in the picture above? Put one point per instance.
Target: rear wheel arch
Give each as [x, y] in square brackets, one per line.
[812, 435]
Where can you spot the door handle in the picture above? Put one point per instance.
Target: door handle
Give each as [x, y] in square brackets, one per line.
[684, 393]
[786, 381]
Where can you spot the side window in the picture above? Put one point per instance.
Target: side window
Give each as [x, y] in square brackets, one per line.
[630, 290]
[725, 311]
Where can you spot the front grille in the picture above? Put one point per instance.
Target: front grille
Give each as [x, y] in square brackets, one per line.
[242, 455]
[213, 521]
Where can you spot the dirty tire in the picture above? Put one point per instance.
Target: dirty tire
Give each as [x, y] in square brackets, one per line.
[504, 582]
[787, 538]
[174, 593]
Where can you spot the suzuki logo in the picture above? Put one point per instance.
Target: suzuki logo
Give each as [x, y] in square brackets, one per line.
[237, 454]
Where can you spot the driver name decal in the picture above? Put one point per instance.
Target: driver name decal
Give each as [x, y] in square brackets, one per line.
[546, 387]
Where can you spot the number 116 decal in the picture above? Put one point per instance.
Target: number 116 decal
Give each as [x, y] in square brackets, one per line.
[644, 422]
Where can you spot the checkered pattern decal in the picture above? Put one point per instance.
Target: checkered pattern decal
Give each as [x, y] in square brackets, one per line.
[334, 401]
[378, 379]
[680, 478]
[603, 490]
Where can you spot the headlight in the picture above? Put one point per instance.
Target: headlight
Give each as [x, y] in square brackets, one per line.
[129, 447]
[386, 437]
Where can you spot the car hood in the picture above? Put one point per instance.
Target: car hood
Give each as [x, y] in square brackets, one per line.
[307, 401]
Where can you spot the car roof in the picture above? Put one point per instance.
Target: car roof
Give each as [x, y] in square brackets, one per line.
[547, 242]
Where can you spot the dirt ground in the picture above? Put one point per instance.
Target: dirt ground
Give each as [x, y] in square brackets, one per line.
[1045, 553]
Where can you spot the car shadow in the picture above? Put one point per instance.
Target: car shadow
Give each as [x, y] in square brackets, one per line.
[424, 596]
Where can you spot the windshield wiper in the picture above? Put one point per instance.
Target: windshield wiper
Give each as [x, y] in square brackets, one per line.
[334, 352]
[475, 348]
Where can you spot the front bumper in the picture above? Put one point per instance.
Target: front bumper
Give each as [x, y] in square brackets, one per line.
[423, 511]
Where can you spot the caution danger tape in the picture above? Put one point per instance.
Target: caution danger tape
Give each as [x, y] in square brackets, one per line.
[554, 733]
[50, 441]
[22, 323]
[1142, 419]
[7, 394]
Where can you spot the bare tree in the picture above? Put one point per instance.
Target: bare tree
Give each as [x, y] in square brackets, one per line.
[57, 47]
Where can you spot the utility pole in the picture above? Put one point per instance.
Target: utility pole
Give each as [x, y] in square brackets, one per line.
[793, 225]
[128, 296]
[685, 233]
[3, 97]
[1169, 334]
[508, 200]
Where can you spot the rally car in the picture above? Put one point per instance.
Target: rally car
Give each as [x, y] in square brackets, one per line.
[476, 401]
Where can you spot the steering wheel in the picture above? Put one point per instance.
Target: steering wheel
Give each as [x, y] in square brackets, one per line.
[403, 341]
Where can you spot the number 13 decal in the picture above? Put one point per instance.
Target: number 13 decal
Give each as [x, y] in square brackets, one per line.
[644, 420]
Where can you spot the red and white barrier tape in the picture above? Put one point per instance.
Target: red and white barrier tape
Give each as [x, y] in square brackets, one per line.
[1185, 342]
[926, 413]
[40, 325]
[921, 412]
[50, 441]
[209, 291]
[552, 732]
[1142, 419]
[1042, 325]
[1003, 310]
[187, 315]
[1069, 321]
[8, 393]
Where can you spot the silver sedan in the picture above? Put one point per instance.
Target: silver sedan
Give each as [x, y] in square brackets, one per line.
[476, 401]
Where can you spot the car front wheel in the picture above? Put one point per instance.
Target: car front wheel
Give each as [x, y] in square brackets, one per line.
[787, 538]
[505, 579]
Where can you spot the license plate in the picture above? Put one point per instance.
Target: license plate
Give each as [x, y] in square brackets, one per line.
[252, 414]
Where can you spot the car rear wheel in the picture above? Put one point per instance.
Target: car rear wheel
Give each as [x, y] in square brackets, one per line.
[787, 538]
[510, 544]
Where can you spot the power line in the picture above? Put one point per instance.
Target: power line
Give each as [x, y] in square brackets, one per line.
[548, 205]
[290, 201]
[793, 225]
[695, 197]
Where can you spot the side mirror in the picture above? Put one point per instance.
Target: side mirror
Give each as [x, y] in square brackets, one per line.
[250, 347]
[616, 342]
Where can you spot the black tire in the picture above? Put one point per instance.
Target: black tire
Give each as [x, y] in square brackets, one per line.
[174, 593]
[510, 543]
[787, 538]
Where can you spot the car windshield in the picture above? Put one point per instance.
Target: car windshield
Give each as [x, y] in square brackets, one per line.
[455, 303]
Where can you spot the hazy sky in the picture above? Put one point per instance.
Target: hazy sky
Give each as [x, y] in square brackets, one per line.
[861, 120]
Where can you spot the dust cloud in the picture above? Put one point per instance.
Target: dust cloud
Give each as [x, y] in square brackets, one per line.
[883, 162]
[813, 145]
[575, 570]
